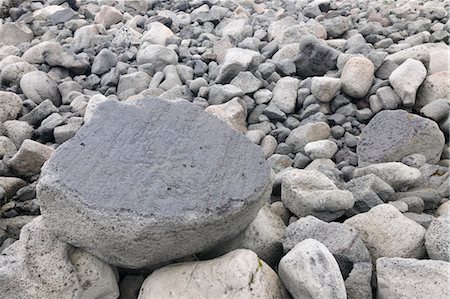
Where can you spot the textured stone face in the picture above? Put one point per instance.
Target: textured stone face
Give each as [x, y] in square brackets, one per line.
[392, 135]
[151, 180]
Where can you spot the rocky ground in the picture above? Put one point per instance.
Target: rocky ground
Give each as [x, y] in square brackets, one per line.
[224, 149]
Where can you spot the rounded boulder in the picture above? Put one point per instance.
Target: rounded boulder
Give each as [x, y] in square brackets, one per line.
[147, 181]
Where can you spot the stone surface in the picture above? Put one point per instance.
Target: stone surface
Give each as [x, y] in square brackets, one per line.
[160, 187]
[108, 16]
[412, 278]
[396, 174]
[15, 33]
[18, 131]
[437, 239]
[315, 58]
[232, 113]
[358, 283]
[38, 87]
[157, 33]
[321, 149]
[387, 233]
[406, 79]
[357, 76]
[29, 158]
[10, 105]
[435, 86]
[39, 265]
[309, 192]
[159, 56]
[309, 270]
[237, 60]
[325, 88]
[263, 236]
[285, 94]
[369, 191]
[239, 274]
[341, 240]
[304, 134]
[392, 135]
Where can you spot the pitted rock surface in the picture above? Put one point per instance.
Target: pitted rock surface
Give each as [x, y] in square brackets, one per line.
[151, 180]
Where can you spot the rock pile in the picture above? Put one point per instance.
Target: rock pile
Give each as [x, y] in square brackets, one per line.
[224, 148]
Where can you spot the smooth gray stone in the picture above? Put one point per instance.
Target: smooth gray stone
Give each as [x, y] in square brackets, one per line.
[162, 181]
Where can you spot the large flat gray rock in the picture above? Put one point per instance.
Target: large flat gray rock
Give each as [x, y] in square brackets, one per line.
[392, 135]
[148, 181]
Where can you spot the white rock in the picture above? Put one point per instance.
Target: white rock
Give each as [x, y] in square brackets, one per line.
[444, 209]
[357, 76]
[157, 55]
[18, 131]
[15, 33]
[309, 192]
[437, 239]
[30, 158]
[43, 13]
[410, 278]
[41, 266]
[439, 61]
[285, 94]
[269, 145]
[10, 105]
[255, 136]
[7, 147]
[386, 232]
[321, 149]
[237, 29]
[238, 274]
[157, 33]
[108, 16]
[396, 174]
[38, 87]
[309, 270]
[263, 237]
[232, 113]
[302, 135]
[406, 79]
[420, 52]
[325, 88]
[435, 86]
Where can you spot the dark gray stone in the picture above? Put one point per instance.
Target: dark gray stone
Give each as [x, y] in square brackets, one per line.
[341, 240]
[358, 282]
[392, 135]
[35, 116]
[315, 58]
[162, 181]
[368, 191]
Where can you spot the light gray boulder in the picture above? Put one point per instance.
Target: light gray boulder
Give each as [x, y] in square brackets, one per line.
[341, 240]
[357, 76]
[39, 265]
[396, 174]
[263, 236]
[10, 105]
[306, 133]
[29, 158]
[238, 274]
[309, 192]
[37, 86]
[437, 239]
[412, 278]
[406, 79]
[309, 270]
[187, 197]
[386, 232]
